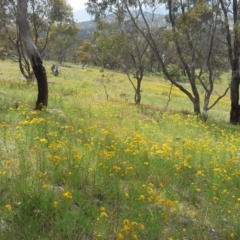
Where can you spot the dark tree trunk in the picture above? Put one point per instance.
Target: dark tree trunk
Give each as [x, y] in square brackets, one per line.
[232, 37]
[138, 92]
[196, 106]
[139, 77]
[41, 76]
[33, 54]
[235, 68]
[234, 87]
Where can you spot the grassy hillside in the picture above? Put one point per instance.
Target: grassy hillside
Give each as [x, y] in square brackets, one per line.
[87, 168]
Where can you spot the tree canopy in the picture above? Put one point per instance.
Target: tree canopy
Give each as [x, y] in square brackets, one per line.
[47, 19]
[197, 39]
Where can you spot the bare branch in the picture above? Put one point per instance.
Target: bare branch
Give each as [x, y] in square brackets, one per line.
[217, 100]
[169, 95]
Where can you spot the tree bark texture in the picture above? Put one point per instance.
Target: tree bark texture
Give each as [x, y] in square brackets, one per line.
[138, 92]
[33, 54]
[232, 37]
[234, 114]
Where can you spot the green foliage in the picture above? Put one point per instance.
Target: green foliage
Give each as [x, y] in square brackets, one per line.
[84, 52]
[51, 22]
[188, 41]
[174, 71]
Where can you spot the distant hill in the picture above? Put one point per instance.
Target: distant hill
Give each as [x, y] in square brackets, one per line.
[89, 26]
[82, 15]
[86, 29]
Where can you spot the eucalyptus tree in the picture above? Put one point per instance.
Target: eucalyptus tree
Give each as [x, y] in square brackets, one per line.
[231, 28]
[122, 45]
[84, 53]
[43, 16]
[33, 54]
[192, 27]
[64, 42]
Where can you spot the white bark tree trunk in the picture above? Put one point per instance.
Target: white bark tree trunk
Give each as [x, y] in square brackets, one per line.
[33, 54]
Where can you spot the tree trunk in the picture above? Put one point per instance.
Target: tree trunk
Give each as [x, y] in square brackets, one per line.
[138, 92]
[196, 106]
[232, 37]
[205, 109]
[33, 54]
[23, 61]
[139, 77]
[196, 102]
[234, 87]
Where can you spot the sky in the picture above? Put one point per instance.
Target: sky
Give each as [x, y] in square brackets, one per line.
[77, 4]
[80, 14]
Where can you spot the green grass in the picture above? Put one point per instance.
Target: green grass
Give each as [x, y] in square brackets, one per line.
[87, 168]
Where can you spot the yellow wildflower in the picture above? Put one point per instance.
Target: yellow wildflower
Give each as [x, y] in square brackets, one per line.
[67, 194]
[45, 185]
[103, 209]
[120, 236]
[116, 168]
[104, 214]
[232, 235]
[8, 207]
[56, 159]
[141, 197]
[43, 140]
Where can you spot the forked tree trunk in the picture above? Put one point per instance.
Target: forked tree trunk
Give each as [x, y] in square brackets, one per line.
[33, 54]
[139, 77]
